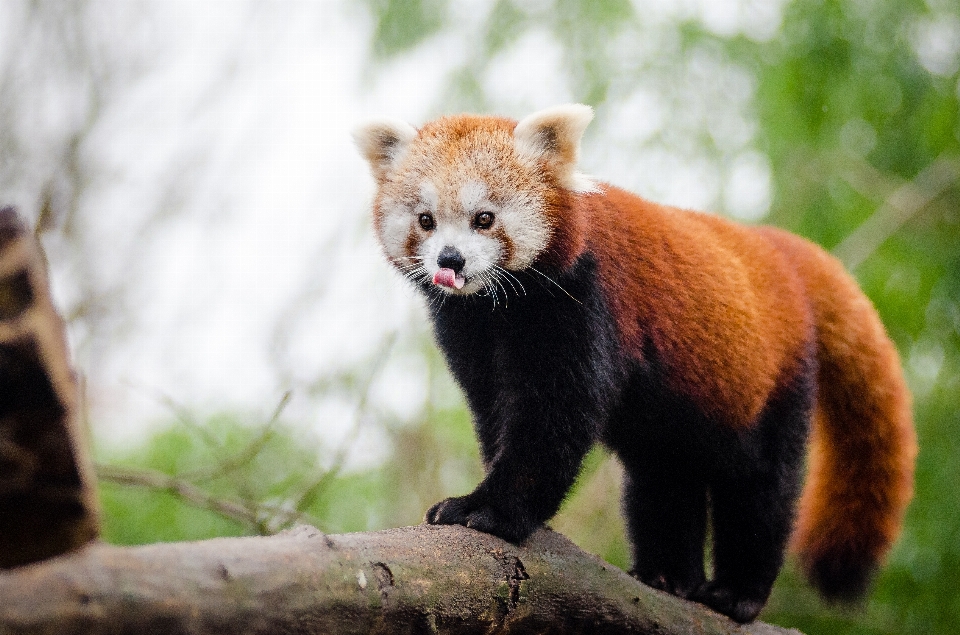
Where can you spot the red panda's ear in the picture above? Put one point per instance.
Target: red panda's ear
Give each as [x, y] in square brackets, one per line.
[552, 136]
[382, 143]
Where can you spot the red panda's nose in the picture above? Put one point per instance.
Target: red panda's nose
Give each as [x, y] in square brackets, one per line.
[451, 258]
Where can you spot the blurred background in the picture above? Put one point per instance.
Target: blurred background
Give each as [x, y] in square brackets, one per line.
[250, 361]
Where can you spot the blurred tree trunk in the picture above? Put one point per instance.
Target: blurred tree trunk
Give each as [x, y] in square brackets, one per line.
[47, 498]
[425, 579]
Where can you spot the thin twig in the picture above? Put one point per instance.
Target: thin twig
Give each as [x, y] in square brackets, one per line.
[182, 489]
[182, 414]
[899, 207]
[245, 514]
[244, 456]
[310, 493]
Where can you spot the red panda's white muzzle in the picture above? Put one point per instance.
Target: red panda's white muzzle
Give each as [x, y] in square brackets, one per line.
[448, 278]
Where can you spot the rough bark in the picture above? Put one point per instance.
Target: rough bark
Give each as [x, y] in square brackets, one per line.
[424, 579]
[47, 501]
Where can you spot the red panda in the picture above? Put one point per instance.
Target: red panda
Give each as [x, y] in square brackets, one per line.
[707, 355]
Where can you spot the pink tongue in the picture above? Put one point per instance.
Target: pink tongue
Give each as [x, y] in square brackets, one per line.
[447, 278]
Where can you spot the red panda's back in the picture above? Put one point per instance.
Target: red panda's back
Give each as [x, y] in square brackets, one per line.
[721, 305]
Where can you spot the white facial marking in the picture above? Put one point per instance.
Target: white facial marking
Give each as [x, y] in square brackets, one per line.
[524, 222]
[429, 196]
[394, 228]
[472, 194]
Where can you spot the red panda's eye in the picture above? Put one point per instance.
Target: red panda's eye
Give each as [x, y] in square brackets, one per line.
[426, 222]
[483, 220]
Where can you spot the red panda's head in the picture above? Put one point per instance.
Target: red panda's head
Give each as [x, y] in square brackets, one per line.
[466, 197]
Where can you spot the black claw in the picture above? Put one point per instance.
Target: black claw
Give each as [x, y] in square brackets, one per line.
[475, 513]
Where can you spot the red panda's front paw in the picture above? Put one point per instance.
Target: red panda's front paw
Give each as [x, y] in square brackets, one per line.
[449, 511]
[471, 512]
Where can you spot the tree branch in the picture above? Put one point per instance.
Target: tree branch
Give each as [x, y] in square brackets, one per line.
[258, 516]
[409, 580]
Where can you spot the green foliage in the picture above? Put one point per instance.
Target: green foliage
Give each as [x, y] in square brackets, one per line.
[134, 515]
[506, 23]
[233, 461]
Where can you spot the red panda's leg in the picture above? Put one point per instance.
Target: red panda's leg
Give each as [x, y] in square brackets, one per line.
[540, 378]
[537, 459]
[751, 527]
[666, 522]
[753, 497]
[541, 423]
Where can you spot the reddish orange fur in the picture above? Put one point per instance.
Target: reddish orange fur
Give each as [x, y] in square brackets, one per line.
[734, 307]
[722, 302]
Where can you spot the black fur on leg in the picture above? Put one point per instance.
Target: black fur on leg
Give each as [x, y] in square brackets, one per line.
[676, 459]
[666, 524]
[754, 499]
[539, 371]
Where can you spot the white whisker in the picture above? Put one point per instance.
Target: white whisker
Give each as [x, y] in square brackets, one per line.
[555, 283]
[506, 296]
[511, 279]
